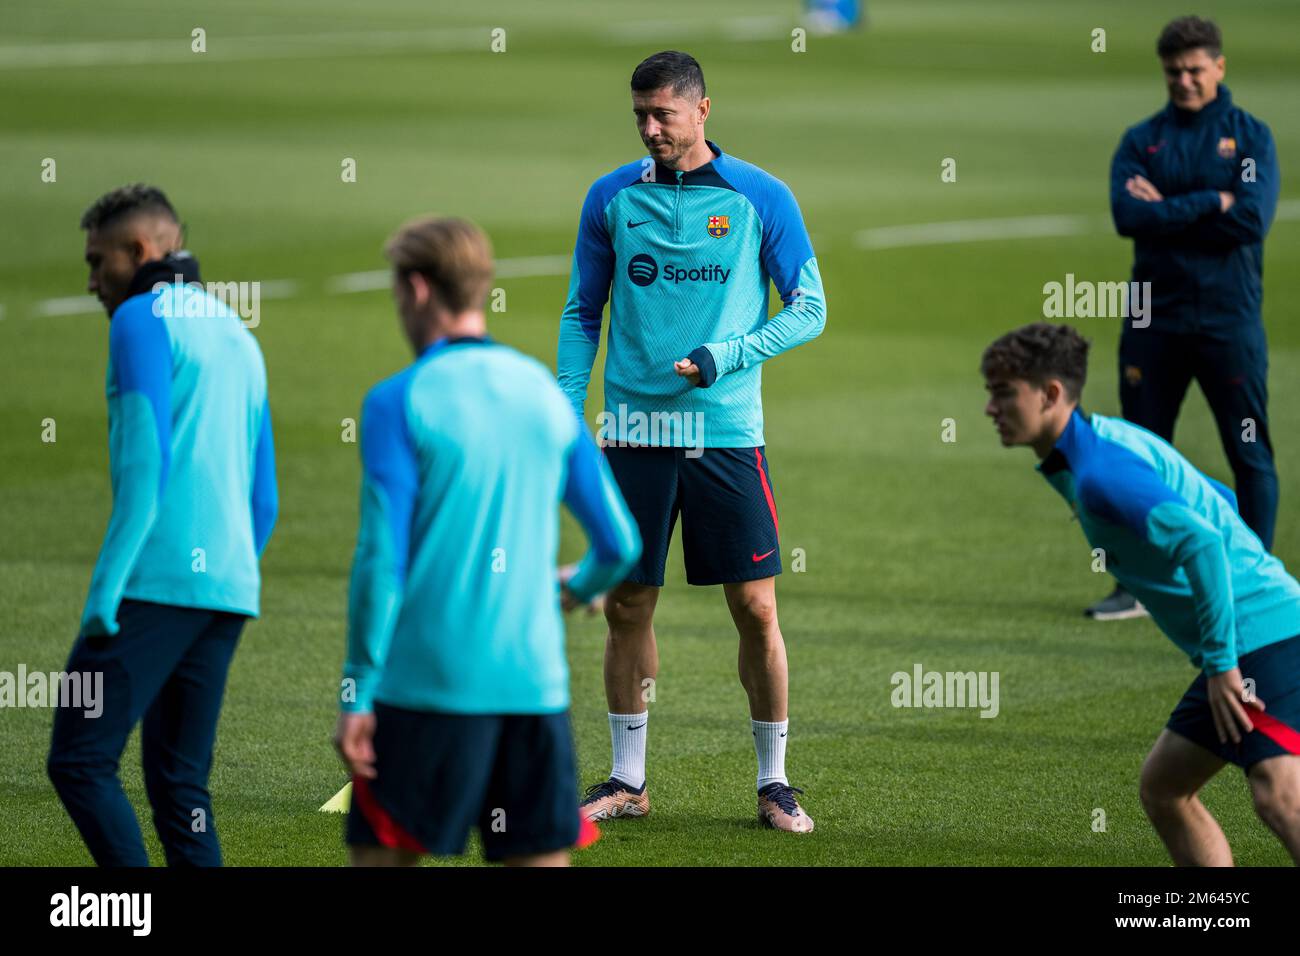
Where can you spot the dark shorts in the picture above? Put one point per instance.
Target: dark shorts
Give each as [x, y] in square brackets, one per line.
[1275, 669]
[729, 522]
[511, 775]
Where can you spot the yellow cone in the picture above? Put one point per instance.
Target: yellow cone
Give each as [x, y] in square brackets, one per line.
[341, 802]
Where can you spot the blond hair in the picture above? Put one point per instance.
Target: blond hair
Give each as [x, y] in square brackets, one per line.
[453, 254]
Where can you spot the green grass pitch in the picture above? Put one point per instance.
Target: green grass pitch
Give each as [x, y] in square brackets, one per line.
[954, 555]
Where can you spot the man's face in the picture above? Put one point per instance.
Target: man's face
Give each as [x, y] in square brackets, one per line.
[669, 124]
[113, 260]
[1019, 410]
[1193, 78]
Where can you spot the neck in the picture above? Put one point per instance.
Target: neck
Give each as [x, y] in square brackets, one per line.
[699, 155]
[1045, 442]
[471, 324]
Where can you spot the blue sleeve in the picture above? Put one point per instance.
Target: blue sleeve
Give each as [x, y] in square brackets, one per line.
[589, 282]
[266, 495]
[389, 485]
[787, 258]
[1251, 215]
[1134, 496]
[1223, 490]
[1139, 219]
[592, 495]
[139, 447]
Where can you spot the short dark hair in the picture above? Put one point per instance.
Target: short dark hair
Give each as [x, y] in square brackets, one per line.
[669, 68]
[1189, 33]
[1037, 353]
[124, 201]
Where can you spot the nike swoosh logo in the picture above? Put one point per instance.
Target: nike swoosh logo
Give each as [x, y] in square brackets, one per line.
[633, 225]
[760, 557]
[637, 727]
[784, 734]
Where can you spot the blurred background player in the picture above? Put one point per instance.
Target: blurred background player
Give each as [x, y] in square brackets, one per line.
[456, 688]
[1196, 186]
[834, 16]
[194, 501]
[1173, 538]
[683, 244]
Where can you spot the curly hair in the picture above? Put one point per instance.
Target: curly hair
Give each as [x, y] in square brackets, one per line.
[1037, 353]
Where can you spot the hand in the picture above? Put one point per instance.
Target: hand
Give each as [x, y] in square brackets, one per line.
[687, 370]
[1139, 187]
[1227, 704]
[354, 739]
[100, 622]
[1226, 200]
[569, 601]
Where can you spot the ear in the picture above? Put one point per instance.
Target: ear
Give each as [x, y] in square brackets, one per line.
[139, 250]
[421, 291]
[703, 108]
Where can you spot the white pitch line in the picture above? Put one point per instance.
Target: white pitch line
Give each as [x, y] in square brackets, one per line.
[1017, 227]
[227, 48]
[522, 267]
[278, 288]
[69, 305]
[972, 230]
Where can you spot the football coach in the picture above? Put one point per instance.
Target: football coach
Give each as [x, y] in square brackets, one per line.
[1195, 187]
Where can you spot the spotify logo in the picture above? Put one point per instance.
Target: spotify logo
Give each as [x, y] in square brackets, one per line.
[642, 269]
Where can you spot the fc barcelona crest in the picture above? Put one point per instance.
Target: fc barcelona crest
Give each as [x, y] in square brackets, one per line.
[719, 225]
[1227, 147]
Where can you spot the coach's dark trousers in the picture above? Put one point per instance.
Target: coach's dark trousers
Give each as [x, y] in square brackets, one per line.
[168, 665]
[1155, 369]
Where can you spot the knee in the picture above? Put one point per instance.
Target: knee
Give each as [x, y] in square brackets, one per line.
[755, 613]
[629, 609]
[1277, 806]
[1158, 799]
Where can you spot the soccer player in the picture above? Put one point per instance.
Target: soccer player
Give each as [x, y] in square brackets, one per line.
[1195, 187]
[683, 243]
[455, 688]
[1172, 537]
[194, 500]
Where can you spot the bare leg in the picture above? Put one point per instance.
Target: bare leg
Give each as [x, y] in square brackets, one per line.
[361, 855]
[762, 663]
[554, 858]
[1275, 784]
[1172, 776]
[631, 654]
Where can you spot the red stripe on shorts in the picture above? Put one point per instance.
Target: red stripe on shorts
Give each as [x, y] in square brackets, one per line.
[767, 489]
[1272, 728]
[389, 832]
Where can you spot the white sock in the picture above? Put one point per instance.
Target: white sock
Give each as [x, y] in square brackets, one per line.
[627, 734]
[769, 744]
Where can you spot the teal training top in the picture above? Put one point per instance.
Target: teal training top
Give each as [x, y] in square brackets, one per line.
[454, 604]
[1173, 538]
[190, 453]
[685, 260]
